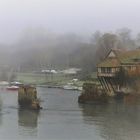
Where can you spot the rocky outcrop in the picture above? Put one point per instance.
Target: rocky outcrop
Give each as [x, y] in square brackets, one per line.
[27, 97]
[92, 93]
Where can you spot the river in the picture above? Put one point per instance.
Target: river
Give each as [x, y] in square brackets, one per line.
[62, 118]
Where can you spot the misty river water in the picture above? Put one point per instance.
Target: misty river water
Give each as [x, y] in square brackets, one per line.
[62, 118]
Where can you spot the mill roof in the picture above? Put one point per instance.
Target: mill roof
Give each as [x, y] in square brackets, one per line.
[121, 57]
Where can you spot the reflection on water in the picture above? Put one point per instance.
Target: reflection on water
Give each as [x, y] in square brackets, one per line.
[28, 122]
[28, 118]
[116, 120]
[63, 118]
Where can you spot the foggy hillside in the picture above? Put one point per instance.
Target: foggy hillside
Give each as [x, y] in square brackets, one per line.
[38, 49]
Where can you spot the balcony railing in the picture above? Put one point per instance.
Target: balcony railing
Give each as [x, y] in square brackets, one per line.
[105, 74]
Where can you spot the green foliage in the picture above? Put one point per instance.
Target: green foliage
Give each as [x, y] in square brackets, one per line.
[31, 78]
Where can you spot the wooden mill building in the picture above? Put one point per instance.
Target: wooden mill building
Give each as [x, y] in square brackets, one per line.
[114, 62]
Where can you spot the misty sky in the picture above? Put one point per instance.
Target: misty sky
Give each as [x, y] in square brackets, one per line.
[79, 16]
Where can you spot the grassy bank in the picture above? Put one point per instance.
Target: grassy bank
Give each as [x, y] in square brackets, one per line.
[55, 79]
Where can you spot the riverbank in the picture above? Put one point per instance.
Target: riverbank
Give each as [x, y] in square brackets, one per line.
[50, 81]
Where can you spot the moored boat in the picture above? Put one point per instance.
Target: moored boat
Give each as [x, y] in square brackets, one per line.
[12, 88]
[70, 86]
[14, 85]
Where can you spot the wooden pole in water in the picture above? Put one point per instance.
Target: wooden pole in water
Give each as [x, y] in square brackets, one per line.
[111, 84]
[104, 86]
[101, 83]
[106, 82]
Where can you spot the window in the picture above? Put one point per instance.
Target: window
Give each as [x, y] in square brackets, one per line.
[99, 70]
[106, 70]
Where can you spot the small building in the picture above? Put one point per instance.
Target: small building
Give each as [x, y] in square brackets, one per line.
[114, 62]
[71, 71]
[51, 71]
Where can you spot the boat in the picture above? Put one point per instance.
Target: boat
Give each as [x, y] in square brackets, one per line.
[12, 88]
[14, 85]
[80, 88]
[69, 86]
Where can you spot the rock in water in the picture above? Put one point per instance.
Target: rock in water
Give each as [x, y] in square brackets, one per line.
[92, 93]
[27, 97]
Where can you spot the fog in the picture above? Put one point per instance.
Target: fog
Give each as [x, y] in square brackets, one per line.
[78, 16]
[36, 34]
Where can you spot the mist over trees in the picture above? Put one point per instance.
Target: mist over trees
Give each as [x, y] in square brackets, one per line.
[40, 49]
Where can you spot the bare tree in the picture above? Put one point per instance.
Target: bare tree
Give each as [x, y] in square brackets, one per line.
[125, 37]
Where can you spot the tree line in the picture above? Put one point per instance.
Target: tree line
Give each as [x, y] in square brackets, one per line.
[38, 49]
